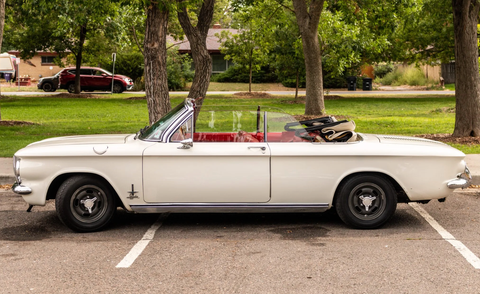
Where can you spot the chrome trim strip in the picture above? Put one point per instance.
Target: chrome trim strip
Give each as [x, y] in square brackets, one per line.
[20, 189]
[229, 207]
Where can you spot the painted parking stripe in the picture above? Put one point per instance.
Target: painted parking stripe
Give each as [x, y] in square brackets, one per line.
[136, 250]
[466, 253]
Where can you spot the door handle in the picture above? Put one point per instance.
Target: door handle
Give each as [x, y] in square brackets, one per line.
[263, 148]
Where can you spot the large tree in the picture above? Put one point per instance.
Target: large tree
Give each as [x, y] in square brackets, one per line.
[59, 25]
[155, 58]
[467, 79]
[197, 37]
[308, 17]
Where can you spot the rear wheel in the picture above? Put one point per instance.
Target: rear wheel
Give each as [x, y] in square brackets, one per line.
[71, 88]
[366, 201]
[85, 203]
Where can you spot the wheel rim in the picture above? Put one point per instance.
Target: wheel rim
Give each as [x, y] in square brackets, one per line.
[71, 88]
[47, 87]
[88, 204]
[367, 201]
[117, 88]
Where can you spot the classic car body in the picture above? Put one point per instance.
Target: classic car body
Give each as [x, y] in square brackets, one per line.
[233, 162]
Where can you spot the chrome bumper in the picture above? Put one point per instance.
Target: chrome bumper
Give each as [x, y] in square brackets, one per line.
[20, 189]
[462, 181]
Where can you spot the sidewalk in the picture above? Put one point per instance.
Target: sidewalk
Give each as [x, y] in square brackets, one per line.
[7, 176]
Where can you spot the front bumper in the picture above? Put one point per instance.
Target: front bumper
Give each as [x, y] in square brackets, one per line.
[129, 87]
[463, 180]
[20, 189]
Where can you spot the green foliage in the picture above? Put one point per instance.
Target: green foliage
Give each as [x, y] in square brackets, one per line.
[179, 70]
[239, 74]
[383, 69]
[412, 76]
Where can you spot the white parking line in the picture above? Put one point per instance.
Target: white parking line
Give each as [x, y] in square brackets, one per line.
[136, 250]
[467, 254]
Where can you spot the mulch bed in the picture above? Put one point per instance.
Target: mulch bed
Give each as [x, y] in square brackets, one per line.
[301, 99]
[308, 117]
[83, 95]
[11, 123]
[448, 138]
[253, 95]
[137, 98]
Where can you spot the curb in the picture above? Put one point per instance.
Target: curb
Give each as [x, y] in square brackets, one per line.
[7, 179]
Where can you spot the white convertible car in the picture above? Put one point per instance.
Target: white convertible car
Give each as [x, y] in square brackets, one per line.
[219, 160]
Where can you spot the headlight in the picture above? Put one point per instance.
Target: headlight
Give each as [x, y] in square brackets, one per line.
[127, 80]
[16, 169]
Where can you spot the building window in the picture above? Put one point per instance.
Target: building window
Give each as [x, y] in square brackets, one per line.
[219, 64]
[47, 59]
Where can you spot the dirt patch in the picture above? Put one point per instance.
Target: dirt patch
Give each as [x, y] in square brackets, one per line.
[137, 98]
[448, 138]
[11, 123]
[83, 95]
[252, 95]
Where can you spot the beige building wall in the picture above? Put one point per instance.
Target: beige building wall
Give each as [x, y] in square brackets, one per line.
[34, 68]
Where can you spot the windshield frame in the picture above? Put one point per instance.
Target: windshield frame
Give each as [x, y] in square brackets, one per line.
[163, 129]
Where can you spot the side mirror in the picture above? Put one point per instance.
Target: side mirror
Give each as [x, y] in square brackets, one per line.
[186, 144]
[104, 75]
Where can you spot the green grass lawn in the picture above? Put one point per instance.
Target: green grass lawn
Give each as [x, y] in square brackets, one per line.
[115, 114]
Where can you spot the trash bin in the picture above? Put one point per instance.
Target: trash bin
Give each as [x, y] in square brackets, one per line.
[8, 76]
[367, 84]
[352, 83]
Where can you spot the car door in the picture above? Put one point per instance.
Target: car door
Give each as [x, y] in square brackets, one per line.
[219, 171]
[101, 80]
[85, 78]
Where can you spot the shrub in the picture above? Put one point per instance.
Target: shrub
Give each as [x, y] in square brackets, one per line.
[382, 70]
[412, 76]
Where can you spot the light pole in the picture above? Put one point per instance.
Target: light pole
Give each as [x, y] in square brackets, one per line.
[114, 57]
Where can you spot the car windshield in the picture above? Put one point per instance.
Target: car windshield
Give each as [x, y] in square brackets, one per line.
[155, 131]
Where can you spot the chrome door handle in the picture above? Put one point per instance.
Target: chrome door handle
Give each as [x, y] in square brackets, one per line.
[263, 148]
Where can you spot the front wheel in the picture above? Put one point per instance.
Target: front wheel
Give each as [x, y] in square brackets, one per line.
[48, 87]
[366, 201]
[85, 203]
[117, 88]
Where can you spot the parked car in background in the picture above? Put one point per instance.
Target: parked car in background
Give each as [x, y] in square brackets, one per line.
[49, 84]
[229, 160]
[94, 78]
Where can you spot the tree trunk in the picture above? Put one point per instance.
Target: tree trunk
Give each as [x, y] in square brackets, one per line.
[78, 61]
[155, 58]
[308, 20]
[467, 79]
[2, 23]
[197, 37]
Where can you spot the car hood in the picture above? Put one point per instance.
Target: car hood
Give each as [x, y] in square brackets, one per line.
[82, 140]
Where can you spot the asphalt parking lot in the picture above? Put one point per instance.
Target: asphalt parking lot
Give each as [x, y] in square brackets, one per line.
[243, 253]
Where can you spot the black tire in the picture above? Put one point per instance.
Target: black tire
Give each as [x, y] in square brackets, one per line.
[366, 213]
[71, 88]
[85, 203]
[48, 87]
[117, 88]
